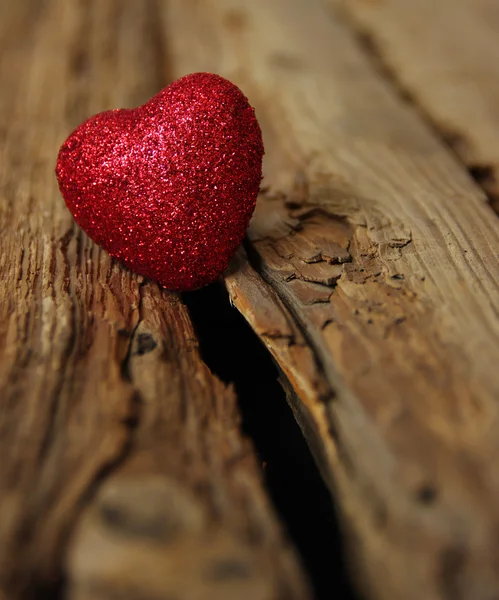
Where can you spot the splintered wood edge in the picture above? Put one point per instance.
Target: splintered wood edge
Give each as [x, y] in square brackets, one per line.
[276, 327]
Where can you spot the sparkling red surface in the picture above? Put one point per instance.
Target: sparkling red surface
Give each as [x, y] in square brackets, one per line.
[168, 188]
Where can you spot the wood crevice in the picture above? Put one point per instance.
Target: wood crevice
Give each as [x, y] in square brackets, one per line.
[287, 463]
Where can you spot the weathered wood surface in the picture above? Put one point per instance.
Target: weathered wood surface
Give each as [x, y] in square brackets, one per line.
[375, 284]
[372, 278]
[185, 515]
[123, 470]
[445, 57]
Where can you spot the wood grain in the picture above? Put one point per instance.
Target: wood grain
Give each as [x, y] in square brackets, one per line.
[445, 58]
[374, 282]
[185, 516]
[124, 472]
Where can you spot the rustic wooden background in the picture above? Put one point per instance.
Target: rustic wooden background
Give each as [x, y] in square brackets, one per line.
[370, 273]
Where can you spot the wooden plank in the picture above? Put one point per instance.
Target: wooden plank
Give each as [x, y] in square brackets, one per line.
[115, 439]
[445, 57]
[374, 282]
[186, 515]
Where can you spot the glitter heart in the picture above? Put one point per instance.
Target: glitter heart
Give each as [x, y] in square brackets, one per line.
[168, 188]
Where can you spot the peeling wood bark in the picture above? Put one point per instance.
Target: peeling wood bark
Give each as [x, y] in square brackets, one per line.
[444, 58]
[373, 279]
[123, 469]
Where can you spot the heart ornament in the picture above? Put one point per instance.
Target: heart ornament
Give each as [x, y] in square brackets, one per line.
[168, 188]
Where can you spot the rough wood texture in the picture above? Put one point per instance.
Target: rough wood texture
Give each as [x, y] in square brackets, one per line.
[372, 278]
[374, 283]
[185, 515]
[445, 57]
[116, 441]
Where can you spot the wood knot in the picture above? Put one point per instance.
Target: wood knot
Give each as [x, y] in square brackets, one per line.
[149, 508]
[145, 344]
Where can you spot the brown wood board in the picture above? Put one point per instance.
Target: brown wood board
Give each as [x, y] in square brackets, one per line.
[123, 468]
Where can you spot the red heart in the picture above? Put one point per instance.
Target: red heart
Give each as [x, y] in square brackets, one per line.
[168, 188]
